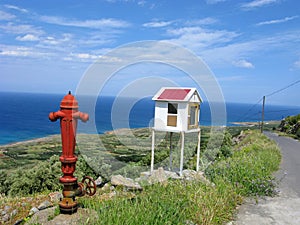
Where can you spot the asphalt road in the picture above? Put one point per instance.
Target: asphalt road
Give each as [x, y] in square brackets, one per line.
[290, 165]
[285, 208]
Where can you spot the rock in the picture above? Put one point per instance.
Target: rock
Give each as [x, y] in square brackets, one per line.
[172, 175]
[44, 205]
[189, 222]
[13, 213]
[3, 212]
[161, 176]
[55, 197]
[30, 199]
[82, 216]
[158, 176]
[239, 138]
[106, 187]
[20, 221]
[191, 175]
[109, 195]
[7, 207]
[295, 128]
[33, 211]
[127, 183]
[5, 218]
[99, 181]
[145, 174]
[144, 177]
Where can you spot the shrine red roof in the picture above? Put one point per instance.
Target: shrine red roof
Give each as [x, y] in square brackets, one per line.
[177, 94]
[174, 94]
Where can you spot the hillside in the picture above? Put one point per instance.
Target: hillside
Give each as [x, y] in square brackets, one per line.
[291, 126]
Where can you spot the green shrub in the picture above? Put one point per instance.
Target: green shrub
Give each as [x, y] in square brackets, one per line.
[40, 178]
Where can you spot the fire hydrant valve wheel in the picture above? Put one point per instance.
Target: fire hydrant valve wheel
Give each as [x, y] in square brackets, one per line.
[89, 185]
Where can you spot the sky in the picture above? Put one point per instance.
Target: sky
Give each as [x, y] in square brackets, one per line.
[251, 46]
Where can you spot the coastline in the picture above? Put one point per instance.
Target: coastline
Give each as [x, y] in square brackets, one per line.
[251, 124]
[31, 141]
[124, 131]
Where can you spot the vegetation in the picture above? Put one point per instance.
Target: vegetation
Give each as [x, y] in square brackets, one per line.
[291, 126]
[27, 154]
[251, 166]
[177, 202]
[41, 178]
[248, 172]
[236, 171]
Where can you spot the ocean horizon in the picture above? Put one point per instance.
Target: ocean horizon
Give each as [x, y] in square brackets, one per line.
[24, 116]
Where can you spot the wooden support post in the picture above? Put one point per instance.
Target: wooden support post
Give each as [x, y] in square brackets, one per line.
[182, 153]
[198, 151]
[152, 151]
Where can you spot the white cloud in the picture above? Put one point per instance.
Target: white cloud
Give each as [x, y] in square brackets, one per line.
[14, 53]
[6, 16]
[17, 51]
[51, 40]
[204, 21]
[258, 3]
[16, 8]
[85, 56]
[243, 64]
[93, 24]
[196, 37]
[141, 3]
[115, 1]
[232, 52]
[157, 24]
[57, 44]
[81, 57]
[28, 37]
[214, 1]
[297, 64]
[127, 1]
[21, 29]
[277, 21]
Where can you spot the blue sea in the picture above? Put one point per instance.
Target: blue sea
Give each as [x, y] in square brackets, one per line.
[24, 116]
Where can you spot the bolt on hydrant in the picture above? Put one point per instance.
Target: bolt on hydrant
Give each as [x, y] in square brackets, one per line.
[68, 115]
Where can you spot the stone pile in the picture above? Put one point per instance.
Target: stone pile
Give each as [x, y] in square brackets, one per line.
[157, 176]
[7, 213]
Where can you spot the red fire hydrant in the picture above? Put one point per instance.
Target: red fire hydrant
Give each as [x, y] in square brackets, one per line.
[68, 115]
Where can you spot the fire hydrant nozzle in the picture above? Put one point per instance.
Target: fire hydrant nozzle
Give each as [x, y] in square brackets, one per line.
[53, 116]
[68, 115]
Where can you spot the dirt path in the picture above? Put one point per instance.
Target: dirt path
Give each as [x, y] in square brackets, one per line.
[284, 209]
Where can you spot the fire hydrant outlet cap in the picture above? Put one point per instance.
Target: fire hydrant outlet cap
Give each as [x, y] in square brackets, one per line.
[69, 102]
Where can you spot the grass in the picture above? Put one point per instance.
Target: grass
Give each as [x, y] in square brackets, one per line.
[177, 202]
